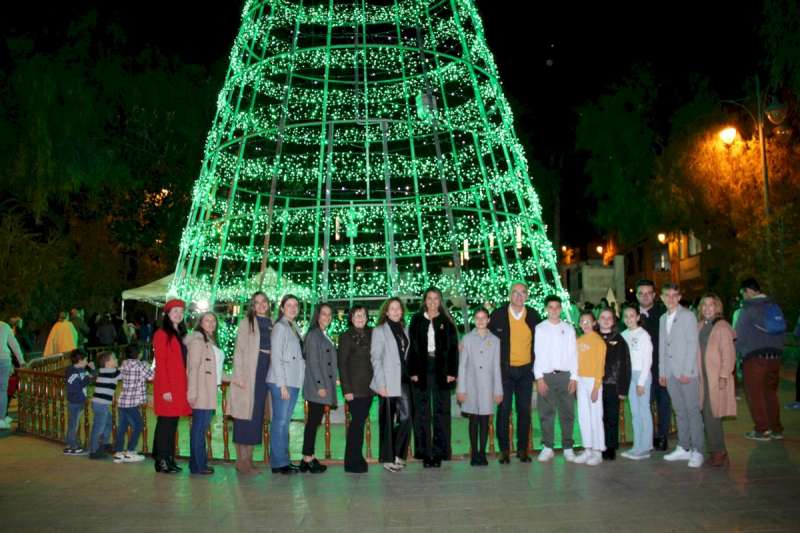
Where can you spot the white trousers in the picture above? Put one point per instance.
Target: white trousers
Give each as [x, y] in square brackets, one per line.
[590, 415]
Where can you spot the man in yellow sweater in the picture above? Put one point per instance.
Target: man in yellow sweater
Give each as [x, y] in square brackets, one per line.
[515, 323]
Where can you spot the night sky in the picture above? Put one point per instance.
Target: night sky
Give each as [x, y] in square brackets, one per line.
[551, 59]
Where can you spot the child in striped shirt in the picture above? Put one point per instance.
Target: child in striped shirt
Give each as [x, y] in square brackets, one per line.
[104, 387]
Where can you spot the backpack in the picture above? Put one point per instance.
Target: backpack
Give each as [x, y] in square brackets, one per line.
[773, 322]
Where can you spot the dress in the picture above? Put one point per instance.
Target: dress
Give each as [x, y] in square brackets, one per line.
[250, 432]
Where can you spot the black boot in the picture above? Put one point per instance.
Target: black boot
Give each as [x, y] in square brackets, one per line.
[173, 466]
[503, 458]
[162, 467]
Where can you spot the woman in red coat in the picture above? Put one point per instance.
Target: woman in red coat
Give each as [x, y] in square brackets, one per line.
[169, 385]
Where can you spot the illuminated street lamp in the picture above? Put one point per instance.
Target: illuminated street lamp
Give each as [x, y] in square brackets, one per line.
[599, 250]
[728, 135]
[662, 238]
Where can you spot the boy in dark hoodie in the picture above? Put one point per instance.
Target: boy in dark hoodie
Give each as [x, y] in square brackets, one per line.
[77, 378]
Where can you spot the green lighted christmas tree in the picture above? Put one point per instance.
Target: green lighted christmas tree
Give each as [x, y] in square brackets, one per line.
[363, 149]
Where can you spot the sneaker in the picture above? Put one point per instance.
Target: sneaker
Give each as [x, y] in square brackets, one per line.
[69, 451]
[391, 467]
[794, 406]
[399, 462]
[133, 457]
[696, 459]
[118, 457]
[582, 457]
[757, 435]
[678, 454]
[595, 459]
[775, 436]
[79, 451]
[635, 456]
[546, 454]
[569, 455]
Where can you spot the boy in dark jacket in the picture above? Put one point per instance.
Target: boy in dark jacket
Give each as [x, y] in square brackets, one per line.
[77, 378]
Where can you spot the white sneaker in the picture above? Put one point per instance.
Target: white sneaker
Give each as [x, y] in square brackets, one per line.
[399, 462]
[678, 454]
[133, 457]
[635, 456]
[119, 457]
[595, 459]
[696, 461]
[569, 455]
[582, 457]
[546, 454]
[391, 467]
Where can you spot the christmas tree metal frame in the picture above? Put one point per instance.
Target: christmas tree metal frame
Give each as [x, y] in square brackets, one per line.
[363, 149]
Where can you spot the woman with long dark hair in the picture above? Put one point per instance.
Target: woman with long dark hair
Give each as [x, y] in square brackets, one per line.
[319, 385]
[248, 394]
[204, 370]
[355, 374]
[390, 380]
[284, 380]
[433, 366]
[169, 385]
[616, 378]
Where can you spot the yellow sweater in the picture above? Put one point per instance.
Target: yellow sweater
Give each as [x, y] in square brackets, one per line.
[521, 338]
[592, 357]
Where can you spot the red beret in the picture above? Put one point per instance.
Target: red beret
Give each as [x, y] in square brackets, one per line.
[173, 304]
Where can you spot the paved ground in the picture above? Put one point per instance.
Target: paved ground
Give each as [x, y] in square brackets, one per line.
[41, 490]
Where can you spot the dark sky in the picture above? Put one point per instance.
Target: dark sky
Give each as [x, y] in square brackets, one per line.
[552, 56]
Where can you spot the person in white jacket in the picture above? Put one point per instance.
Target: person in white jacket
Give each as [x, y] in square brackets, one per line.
[640, 347]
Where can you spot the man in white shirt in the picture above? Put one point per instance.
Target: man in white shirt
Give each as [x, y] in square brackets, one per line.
[556, 371]
[678, 371]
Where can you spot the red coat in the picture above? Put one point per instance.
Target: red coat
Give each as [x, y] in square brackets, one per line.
[170, 377]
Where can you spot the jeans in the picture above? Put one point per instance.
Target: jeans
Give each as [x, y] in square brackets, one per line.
[129, 417]
[101, 427]
[641, 418]
[198, 458]
[5, 372]
[281, 418]
[74, 410]
[517, 383]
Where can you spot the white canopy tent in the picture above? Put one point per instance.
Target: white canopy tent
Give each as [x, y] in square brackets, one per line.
[154, 293]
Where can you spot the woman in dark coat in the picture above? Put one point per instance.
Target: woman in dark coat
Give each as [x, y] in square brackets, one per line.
[355, 374]
[433, 367]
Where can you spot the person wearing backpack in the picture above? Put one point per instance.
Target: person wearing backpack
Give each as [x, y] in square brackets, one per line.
[760, 337]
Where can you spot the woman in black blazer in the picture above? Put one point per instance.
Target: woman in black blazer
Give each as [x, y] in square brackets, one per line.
[355, 374]
[433, 367]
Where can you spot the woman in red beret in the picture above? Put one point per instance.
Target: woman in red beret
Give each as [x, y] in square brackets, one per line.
[169, 385]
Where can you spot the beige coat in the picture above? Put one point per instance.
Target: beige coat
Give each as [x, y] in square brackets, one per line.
[720, 361]
[243, 381]
[201, 370]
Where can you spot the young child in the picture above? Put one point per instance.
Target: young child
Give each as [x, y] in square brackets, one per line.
[104, 387]
[133, 373]
[591, 364]
[77, 378]
[479, 385]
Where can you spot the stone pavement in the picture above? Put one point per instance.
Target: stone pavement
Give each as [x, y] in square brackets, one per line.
[40, 490]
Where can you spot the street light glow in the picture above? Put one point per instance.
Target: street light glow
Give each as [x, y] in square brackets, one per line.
[599, 250]
[662, 238]
[728, 135]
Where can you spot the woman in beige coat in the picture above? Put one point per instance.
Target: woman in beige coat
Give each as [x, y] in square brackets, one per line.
[248, 399]
[204, 375]
[716, 360]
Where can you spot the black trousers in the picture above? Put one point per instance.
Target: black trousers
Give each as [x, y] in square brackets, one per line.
[394, 420]
[660, 396]
[353, 457]
[478, 429]
[315, 413]
[164, 437]
[611, 416]
[432, 415]
[517, 384]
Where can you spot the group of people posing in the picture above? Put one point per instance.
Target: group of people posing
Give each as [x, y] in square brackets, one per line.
[681, 361]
